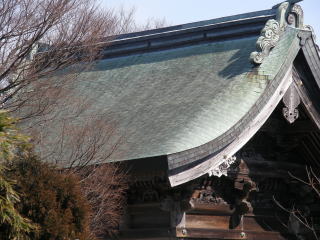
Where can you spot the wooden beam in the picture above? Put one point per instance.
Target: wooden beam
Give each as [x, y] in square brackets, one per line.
[228, 234]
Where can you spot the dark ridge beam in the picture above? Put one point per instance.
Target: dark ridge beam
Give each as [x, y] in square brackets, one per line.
[244, 23]
[148, 47]
[167, 40]
[271, 13]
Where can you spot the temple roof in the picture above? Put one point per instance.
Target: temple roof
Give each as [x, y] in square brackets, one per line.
[172, 100]
[188, 92]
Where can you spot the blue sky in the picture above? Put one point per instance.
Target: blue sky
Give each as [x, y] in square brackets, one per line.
[185, 11]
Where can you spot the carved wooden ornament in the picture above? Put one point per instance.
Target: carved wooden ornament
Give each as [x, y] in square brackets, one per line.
[288, 13]
[291, 100]
[270, 35]
[222, 169]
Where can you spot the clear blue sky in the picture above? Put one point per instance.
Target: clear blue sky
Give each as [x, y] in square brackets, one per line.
[185, 11]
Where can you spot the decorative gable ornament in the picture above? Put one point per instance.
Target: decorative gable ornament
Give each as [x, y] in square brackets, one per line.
[288, 14]
[270, 35]
[291, 101]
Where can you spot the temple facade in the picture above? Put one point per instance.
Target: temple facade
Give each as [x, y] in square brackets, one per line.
[219, 120]
[228, 117]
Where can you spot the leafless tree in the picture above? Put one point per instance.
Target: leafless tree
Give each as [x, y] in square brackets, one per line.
[40, 37]
[301, 219]
[44, 46]
[126, 21]
[83, 145]
[105, 187]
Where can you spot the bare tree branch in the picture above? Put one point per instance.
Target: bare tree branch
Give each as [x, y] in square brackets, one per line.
[44, 46]
[303, 217]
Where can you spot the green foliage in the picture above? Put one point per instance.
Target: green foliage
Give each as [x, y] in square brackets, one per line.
[51, 199]
[12, 143]
[12, 224]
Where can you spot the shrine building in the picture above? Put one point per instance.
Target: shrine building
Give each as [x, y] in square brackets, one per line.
[217, 117]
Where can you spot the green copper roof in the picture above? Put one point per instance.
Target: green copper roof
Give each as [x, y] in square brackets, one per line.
[268, 76]
[182, 93]
[170, 101]
[173, 100]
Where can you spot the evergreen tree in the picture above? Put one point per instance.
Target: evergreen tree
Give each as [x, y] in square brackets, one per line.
[51, 199]
[12, 224]
[36, 200]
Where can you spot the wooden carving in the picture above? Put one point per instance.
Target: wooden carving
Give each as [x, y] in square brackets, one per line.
[291, 101]
[205, 194]
[270, 35]
[288, 13]
[222, 169]
[242, 205]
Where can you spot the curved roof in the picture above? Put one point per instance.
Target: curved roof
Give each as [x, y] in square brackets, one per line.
[189, 92]
[173, 100]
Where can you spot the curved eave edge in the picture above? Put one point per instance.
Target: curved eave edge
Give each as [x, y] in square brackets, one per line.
[310, 51]
[213, 162]
[248, 132]
[210, 163]
[312, 56]
[307, 103]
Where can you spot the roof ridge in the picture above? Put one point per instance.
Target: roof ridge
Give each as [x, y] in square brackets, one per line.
[202, 23]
